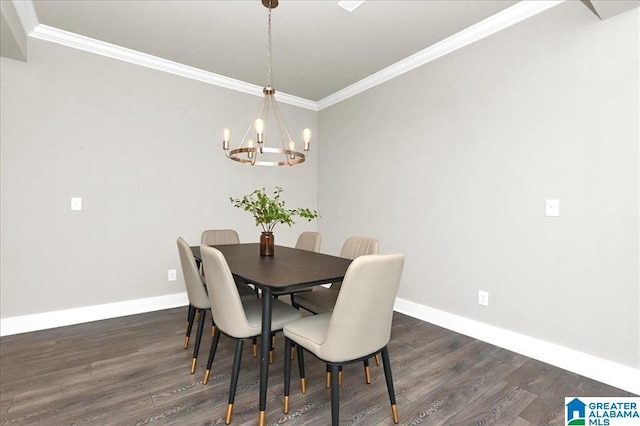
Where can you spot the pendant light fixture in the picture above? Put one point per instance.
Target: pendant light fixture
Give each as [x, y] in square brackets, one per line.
[268, 114]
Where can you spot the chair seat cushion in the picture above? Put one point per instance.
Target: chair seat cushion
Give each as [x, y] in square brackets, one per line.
[281, 313]
[310, 332]
[318, 301]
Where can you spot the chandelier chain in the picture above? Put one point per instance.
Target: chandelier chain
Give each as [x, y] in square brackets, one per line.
[269, 53]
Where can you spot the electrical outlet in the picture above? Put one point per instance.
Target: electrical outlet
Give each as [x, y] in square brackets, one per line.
[171, 275]
[483, 298]
[553, 208]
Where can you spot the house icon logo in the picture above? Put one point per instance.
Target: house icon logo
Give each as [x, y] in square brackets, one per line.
[576, 412]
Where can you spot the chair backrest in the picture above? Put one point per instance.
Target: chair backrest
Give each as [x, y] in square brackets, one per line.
[226, 306]
[354, 247]
[309, 241]
[218, 237]
[358, 246]
[361, 320]
[192, 279]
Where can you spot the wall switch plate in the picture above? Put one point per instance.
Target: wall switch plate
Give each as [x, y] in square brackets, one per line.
[171, 275]
[553, 208]
[483, 298]
[76, 203]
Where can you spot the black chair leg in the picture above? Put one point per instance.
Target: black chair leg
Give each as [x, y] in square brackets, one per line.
[212, 354]
[254, 346]
[387, 375]
[287, 376]
[234, 379]
[335, 396]
[196, 347]
[303, 380]
[191, 315]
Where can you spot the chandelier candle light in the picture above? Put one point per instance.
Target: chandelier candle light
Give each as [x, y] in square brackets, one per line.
[250, 152]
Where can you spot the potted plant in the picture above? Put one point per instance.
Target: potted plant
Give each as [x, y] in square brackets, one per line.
[268, 212]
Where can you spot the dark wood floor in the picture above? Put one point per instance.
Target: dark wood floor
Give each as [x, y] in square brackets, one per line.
[133, 371]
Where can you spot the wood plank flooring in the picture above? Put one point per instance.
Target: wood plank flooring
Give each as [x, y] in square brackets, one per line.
[134, 371]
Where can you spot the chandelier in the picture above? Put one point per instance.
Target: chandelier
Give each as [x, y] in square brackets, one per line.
[267, 114]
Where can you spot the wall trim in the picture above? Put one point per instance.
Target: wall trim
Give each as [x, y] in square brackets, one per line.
[77, 41]
[54, 319]
[498, 22]
[602, 370]
[493, 24]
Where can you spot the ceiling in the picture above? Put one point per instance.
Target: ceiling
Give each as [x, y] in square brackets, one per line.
[318, 47]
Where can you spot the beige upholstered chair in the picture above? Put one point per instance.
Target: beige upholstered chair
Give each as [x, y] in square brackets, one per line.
[212, 237]
[322, 299]
[309, 241]
[358, 328]
[237, 318]
[198, 298]
[215, 237]
[220, 237]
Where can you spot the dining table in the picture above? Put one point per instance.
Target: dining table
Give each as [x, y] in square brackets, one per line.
[288, 270]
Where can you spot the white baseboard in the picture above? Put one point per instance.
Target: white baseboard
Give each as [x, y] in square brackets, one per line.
[602, 370]
[46, 320]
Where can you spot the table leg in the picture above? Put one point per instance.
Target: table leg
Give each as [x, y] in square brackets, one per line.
[265, 346]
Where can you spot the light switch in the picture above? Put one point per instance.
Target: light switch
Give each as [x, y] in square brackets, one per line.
[76, 203]
[553, 207]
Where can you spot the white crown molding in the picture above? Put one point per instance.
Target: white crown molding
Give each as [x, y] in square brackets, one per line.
[498, 22]
[26, 14]
[602, 370]
[504, 19]
[47, 320]
[76, 41]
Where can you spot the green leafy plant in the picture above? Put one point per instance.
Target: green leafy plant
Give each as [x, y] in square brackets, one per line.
[270, 211]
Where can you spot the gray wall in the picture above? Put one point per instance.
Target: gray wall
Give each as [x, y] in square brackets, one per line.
[451, 164]
[142, 149]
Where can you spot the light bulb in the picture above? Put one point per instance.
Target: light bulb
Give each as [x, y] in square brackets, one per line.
[306, 136]
[259, 126]
[250, 145]
[225, 139]
[292, 147]
[260, 131]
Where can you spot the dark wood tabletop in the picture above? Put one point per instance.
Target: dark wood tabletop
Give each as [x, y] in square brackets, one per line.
[288, 269]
